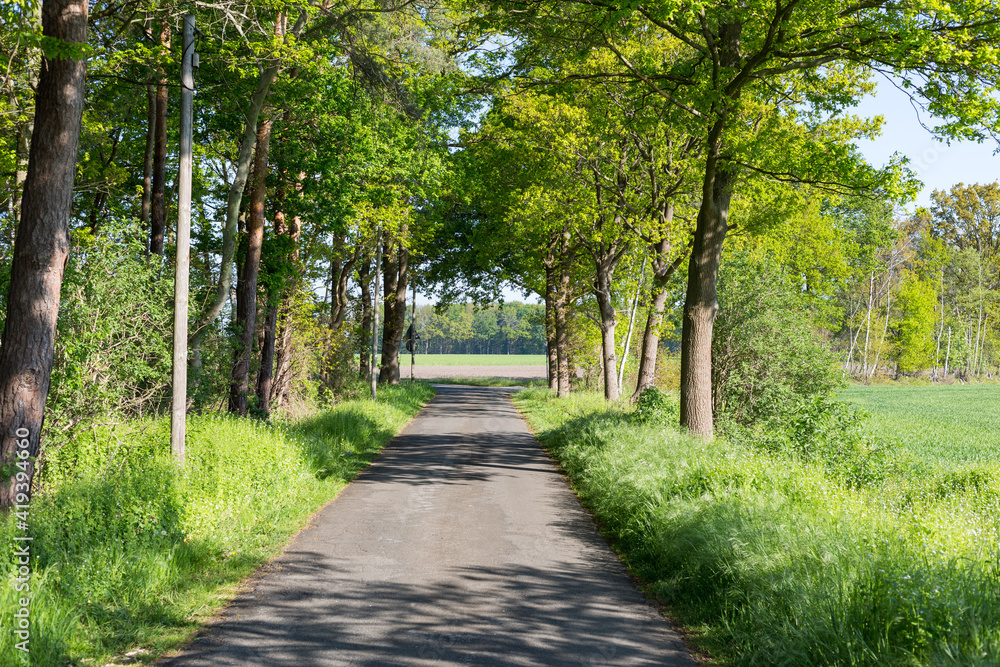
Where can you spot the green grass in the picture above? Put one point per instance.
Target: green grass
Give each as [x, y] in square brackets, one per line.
[130, 554]
[475, 360]
[491, 382]
[771, 559]
[944, 424]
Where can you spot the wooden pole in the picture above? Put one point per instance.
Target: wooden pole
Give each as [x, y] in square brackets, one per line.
[413, 330]
[182, 267]
[375, 309]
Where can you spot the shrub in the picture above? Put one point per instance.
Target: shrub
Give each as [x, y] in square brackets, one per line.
[765, 354]
[113, 348]
[656, 407]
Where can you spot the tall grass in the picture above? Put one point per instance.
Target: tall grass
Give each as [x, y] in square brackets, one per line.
[772, 558]
[129, 554]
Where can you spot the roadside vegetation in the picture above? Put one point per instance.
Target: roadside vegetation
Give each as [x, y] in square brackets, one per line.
[807, 532]
[130, 554]
[788, 556]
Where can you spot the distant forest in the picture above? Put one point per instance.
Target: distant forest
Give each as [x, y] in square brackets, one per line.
[513, 328]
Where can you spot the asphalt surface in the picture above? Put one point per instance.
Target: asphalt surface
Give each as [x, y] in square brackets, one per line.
[460, 545]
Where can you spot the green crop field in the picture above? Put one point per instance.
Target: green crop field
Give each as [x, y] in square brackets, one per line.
[476, 359]
[941, 424]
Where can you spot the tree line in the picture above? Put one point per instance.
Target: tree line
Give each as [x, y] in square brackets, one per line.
[510, 328]
[612, 158]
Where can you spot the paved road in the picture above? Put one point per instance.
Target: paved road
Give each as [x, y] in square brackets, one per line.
[460, 545]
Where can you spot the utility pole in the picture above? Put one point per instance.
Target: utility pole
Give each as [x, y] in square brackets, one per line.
[182, 267]
[413, 331]
[375, 308]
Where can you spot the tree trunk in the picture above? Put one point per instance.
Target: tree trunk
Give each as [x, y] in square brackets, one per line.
[147, 164]
[607, 324]
[235, 196]
[340, 273]
[41, 249]
[567, 256]
[631, 324]
[246, 289]
[282, 385]
[265, 375]
[564, 384]
[701, 303]
[651, 341]
[158, 205]
[947, 354]
[551, 340]
[662, 271]
[396, 273]
[868, 322]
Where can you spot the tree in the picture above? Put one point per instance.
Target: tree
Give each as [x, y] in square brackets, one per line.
[915, 332]
[765, 86]
[968, 217]
[246, 286]
[41, 247]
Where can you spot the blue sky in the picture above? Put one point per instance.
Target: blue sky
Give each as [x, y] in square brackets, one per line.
[937, 164]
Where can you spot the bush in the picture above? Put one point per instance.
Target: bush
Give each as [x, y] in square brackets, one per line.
[766, 358]
[113, 346]
[656, 407]
[829, 432]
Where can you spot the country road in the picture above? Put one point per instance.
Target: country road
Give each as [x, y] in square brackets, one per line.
[460, 545]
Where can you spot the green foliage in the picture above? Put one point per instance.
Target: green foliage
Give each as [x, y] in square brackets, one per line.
[968, 217]
[765, 354]
[113, 348]
[772, 559]
[827, 431]
[915, 338]
[128, 550]
[514, 329]
[656, 407]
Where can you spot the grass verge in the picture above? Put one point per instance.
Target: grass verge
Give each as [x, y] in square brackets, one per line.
[773, 560]
[129, 554]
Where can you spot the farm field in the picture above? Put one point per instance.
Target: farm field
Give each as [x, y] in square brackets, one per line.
[949, 424]
[475, 359]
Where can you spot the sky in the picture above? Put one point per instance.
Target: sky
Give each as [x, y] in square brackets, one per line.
[938, 165]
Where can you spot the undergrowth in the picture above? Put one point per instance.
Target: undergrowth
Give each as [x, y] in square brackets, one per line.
[129, 554]
[775, 555]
